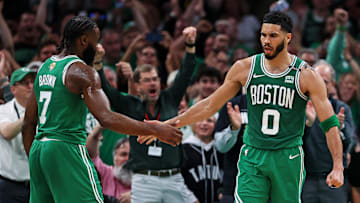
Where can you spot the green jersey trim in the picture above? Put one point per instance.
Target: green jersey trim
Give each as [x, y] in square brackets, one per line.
[42, 65]
[297, 82]
[67, 67]
[253, 60]
[272, 75]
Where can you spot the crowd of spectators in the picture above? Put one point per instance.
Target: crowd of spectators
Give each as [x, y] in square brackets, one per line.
[153, 71]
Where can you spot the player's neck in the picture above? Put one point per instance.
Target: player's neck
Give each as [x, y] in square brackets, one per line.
[280, 63]
[66, 52]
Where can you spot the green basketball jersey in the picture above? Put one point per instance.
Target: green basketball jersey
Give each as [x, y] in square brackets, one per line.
[276, 106]
[61, 114]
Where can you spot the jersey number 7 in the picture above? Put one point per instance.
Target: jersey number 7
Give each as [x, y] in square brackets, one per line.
[46, 97]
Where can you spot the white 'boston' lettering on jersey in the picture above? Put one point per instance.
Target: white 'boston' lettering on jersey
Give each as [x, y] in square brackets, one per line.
[281, 96]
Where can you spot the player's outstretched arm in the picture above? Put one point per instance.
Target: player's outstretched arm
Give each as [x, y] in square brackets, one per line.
[202, 110]
[30, 122]
[209, 106]
[313, 84]
[82, 79]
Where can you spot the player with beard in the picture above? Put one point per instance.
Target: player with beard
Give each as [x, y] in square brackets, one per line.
[278, 84]
[64, 90]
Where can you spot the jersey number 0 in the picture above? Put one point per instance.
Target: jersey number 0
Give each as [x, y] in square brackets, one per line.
[275, 115]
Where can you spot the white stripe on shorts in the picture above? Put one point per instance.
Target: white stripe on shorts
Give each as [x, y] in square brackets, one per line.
[90, 172]
[301, 172]
[237, 197]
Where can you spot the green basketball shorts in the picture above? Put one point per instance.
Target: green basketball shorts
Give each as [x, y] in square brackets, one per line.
[270, 174]
[62, 172]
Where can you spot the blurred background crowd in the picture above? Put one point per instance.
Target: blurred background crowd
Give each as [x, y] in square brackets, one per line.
[138, 32]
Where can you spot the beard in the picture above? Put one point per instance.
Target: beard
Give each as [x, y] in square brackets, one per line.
[277, 50]
[89, 54]
[123, 174]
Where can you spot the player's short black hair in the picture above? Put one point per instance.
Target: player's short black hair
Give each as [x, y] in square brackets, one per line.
[279, 18]
[76, 27]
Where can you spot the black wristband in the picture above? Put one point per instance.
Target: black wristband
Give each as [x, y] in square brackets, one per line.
[4, 79]
[189, 45]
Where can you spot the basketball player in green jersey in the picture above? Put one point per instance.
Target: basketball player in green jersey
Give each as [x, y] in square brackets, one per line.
[60, 168]
[271, 162]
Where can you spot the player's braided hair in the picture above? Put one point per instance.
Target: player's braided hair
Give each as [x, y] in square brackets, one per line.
[76, 26]
[279, 18]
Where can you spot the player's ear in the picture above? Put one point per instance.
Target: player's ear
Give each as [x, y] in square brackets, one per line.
[84, 40]
[288, 37]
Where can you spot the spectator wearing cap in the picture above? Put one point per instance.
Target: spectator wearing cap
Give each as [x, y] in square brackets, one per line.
[14, 174]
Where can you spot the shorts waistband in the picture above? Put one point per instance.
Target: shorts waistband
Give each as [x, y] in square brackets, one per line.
[160, 173]
[45, 139]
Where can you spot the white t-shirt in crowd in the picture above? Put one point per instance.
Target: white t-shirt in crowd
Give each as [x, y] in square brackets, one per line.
[14, 163]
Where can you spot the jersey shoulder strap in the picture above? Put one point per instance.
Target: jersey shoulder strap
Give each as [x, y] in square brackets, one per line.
[255, 64]
[300, 65]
